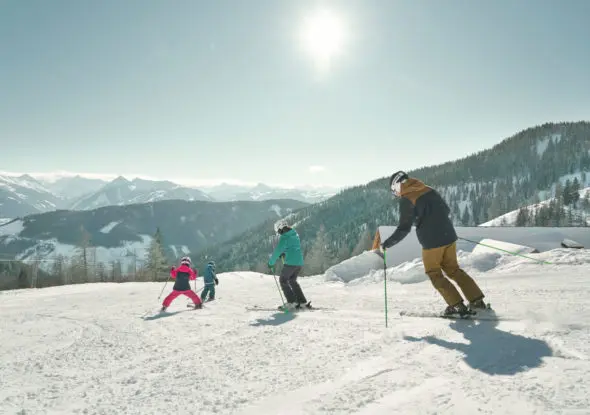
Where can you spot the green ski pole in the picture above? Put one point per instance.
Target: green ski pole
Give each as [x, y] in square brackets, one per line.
[508, 252]
[385, 284]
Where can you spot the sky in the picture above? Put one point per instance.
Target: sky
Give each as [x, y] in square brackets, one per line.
[333, 93]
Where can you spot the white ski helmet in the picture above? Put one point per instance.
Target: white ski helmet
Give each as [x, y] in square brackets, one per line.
[280, 224]
[185, 260]
[396, 180]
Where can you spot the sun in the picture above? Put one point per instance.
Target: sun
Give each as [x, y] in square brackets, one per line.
[323, 37]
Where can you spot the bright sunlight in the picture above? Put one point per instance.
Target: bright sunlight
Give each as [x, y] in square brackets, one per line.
[323, 37]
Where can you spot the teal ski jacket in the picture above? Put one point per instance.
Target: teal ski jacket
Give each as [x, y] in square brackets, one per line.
[290, 245]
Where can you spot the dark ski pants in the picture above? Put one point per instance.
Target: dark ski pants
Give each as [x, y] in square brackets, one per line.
[290, 286]
[209, 289]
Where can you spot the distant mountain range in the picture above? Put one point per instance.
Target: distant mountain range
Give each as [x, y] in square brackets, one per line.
[24, 195]
[116, 232]
[20, 196]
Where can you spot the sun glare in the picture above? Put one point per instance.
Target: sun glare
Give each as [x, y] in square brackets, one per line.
[323, 36]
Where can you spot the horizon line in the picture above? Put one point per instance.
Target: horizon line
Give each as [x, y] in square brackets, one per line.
[54, 176]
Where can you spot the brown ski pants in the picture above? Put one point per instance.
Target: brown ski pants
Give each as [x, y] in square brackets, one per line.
[444, 258]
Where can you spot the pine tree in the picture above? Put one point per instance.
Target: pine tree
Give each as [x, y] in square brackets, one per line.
[23, 279]
[365, 242]
[343, 253]
[116, 271]
[58, 269]
[319, 258]
[575, 192]
[101, 272]
[156, 259]
[83, 261]
[466, 217]
[522, 217]
[567, 193]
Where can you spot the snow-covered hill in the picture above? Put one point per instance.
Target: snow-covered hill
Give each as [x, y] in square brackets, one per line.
[23, 195]
[227, 192]
[123, 233]
[103, 348]
[510, 218]
[73, 187]
[124, 192]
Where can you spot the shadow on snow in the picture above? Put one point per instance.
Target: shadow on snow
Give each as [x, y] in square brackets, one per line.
[275, 320]
[493, 351]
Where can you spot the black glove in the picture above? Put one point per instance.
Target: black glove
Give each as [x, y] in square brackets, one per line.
[216, 281]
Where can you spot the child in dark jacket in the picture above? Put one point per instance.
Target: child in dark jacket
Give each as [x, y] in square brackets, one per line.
[210, 282]
[183, 274]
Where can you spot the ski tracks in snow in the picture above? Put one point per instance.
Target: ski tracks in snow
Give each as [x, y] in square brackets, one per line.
[87, 349]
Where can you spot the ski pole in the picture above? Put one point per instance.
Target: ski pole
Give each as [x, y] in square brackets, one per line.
[164, 287]
[508, 252]
[385, 284]
[279, 290]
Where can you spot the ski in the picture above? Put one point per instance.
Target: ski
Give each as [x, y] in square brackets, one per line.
[296, 310]
[432, 314]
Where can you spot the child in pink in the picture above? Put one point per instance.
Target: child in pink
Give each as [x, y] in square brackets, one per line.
[183, 274]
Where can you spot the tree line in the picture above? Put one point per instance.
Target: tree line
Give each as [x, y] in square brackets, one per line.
[38, 271]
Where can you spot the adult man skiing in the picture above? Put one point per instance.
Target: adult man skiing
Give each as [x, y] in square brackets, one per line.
[423, 206]
[290, 246]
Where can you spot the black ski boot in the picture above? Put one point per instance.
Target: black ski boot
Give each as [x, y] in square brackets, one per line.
[163, 309]
[459, 310]
[198, 306]
[301, 306]
[478, 305]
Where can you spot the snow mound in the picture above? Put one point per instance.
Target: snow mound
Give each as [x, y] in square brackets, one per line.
[355, 267]
[568, 243]
[488, 245]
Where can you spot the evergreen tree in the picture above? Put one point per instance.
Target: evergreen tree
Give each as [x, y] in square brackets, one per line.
[82, 264]
[575, 192]
[522, 217]
[466, 217]
[156, 259]
[343, 253]
[23, 279]
[365, 242]
[567, 193]
[319, 258]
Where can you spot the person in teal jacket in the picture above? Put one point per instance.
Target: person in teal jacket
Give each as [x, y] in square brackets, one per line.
[211, 281]
[289, 247]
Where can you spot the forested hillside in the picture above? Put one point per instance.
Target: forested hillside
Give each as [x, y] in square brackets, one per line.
[521, 170]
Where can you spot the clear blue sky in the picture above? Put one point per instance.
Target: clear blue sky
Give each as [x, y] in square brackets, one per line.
[223, 89]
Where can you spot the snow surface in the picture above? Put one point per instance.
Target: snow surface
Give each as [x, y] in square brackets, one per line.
[12, 229]
[108, 228]
[102, 348]
[277, 210]
[4, 220]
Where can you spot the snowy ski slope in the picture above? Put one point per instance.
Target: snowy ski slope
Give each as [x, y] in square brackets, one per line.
[100, 348]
